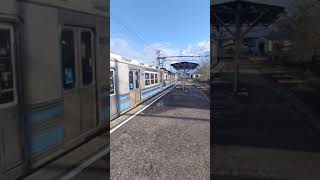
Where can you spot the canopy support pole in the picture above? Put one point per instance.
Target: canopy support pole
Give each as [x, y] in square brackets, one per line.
[238, 38]
[184, 79]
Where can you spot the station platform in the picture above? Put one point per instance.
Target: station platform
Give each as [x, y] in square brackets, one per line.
[167, 140]
[261, 132]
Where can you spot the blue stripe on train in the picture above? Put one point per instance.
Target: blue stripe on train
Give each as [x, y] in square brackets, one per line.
[165, 87]
[147, 89]
[151, 93]
[124, 106]
[38, 116]
[49, 138]
[123, 97]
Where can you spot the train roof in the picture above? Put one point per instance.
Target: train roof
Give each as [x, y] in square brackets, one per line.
[118, 58]
[95, 7]
[164, 69]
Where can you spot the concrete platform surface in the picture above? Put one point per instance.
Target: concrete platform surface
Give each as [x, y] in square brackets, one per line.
[168, 140]
[261, 135]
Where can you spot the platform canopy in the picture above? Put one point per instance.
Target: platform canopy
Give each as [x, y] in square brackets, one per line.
[184, 67]
[257, 12]
[235, 15]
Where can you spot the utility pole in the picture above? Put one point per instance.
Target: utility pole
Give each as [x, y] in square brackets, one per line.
[159, 64]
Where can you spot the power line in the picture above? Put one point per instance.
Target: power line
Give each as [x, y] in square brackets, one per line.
[143, 52]
[133, 33]
[134, 37]
[138, 37]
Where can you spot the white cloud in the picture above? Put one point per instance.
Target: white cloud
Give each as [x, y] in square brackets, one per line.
[122, 47]
[202, 48]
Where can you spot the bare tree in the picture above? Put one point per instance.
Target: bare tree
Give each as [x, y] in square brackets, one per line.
[301, 28]
[204, 71]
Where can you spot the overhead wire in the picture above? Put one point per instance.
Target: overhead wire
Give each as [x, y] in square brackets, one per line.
[133, 34]
[132, 38]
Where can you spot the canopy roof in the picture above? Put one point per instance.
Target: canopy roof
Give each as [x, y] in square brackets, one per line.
[184, 66]
[248, 12]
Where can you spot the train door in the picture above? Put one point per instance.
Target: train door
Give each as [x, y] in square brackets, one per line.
[134, 87]
[166, 79]
[161, 80]
[78, 63]
[70, 76]
[137, 87]
[113, 93]
[10, 142]
[87, 63]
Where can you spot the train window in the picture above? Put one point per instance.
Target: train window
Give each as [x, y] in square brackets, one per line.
[156, 78]
[137, 79]
[147, 79]
[152, 78]
[6, 67]
[68, 59]
[112, 83]
[130, 80]
[87, 58]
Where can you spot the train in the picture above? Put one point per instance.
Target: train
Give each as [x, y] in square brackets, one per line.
[132, 83]
[53, 83]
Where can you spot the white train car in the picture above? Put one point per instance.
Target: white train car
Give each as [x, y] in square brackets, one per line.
[53, 88]
[169, 78]
[132, 83]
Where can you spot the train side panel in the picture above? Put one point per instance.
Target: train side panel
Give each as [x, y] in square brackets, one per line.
[154, 87]
[114, 110]
[86, 91]
[102, 42]
[47, 83]
[130, 88]
[11, 135]
[132, 84]
[42, 84]
[123, 96]
[62, 81]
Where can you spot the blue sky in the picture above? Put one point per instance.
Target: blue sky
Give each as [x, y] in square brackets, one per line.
[175, 26]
